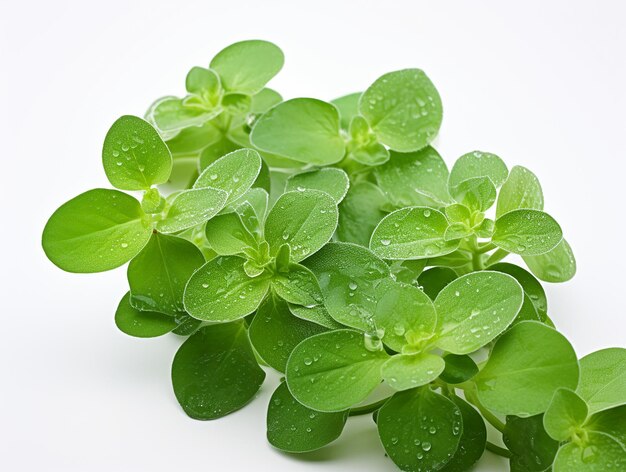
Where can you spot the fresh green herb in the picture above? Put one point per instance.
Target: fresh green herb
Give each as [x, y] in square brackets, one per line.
[328, 240]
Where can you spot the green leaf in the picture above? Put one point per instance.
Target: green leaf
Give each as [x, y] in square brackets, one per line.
[234, 173]
[420, 429]
[474, 309]
[264, 100]
[292, 427]
[403, 108]
[363, 146]
[228, 235]
[215, 372]
[412, 233]
[158, 274]
[333, 371]
[408, 271]
[203, 82]
[473, 439]
[405, 371]
[459, 368]
[403, 312]
[191, 208]
[456, 260]
[458, 213]
[600, 453]
[477, 193]
[134, 156]
[333, 181]
[275, 332]
[478, 164]
[302, 129]
[304, 220]
[186, 325]
[527, 232]
[527, 364]
[189, 142]
[359, 213]
[556, 265]
[142, 324]
[531, 447]
[521, 190]
[565, 414]
[217, 149]
[298, 285]
[603, 379]
[246, 66]
[317, 314]
[170, 115]
[348, 274]
[532, 287]
[457, 231]
[221, 290]
[611, 422]
[435, 279]
[416, 178]
[348, 107]
[96, 231]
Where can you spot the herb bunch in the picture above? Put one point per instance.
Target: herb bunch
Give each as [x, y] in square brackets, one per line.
[330, 242]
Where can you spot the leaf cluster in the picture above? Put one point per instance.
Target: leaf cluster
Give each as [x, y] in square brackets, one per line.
[331, 242]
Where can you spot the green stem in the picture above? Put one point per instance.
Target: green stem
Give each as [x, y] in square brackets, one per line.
[365, 409]
[490, 417]
[496, 257]
[486, 247]
[499, 450]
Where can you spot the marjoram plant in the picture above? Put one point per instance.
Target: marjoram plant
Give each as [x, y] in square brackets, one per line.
[330, 242]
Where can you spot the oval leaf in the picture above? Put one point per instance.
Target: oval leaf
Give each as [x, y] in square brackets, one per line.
[96, 231]
[303, 129]
[292, 427]
[304, 220]
[142, 324]
[527, 365]
[412, 233]
[478, 164]
[556, 265]
[333, 371]
[521, 190]
[603, 379]
[348, 274]
[274, 332]
[416, 178]
[527, 232]
[474, 309]
[566, 413]
[333, 181]
[403, 372]
[191, 208]
[134, 156]
[215, 372]
[158, 274]
[404, 109]
[221, 290]
[233, 173]
[247, 66]
[420, 429]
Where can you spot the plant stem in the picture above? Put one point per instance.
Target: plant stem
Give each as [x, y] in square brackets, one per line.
[365, 409]
[496, 257]
[490, 417]
[491, 447]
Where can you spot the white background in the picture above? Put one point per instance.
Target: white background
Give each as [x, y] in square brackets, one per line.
[542, 84]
